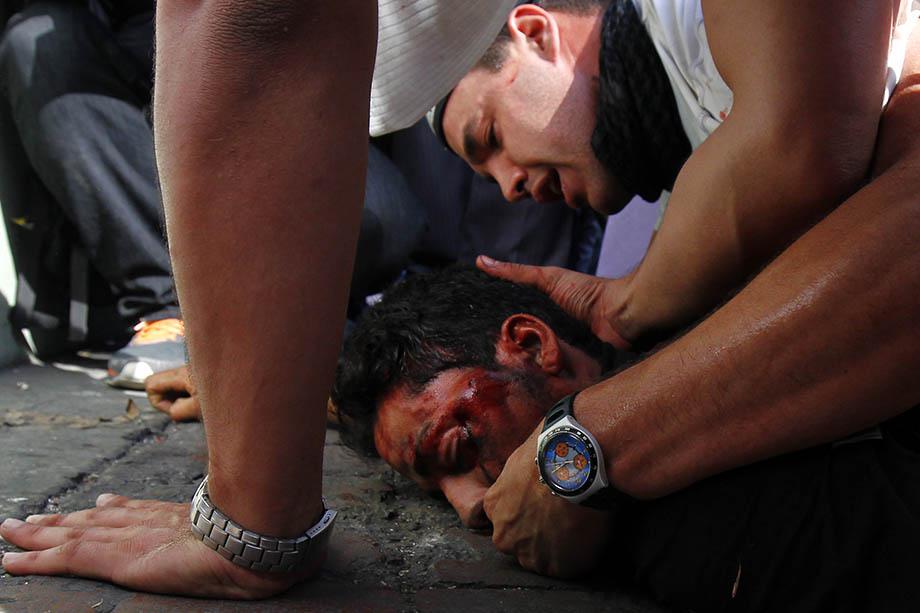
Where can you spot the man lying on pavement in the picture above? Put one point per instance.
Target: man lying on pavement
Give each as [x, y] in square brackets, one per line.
[446, 377]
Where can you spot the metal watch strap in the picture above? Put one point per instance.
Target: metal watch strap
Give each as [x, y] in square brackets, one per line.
[249, 549]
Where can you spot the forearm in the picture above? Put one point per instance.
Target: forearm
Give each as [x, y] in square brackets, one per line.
[740, 199]
[824, 342]
[799, 139]
[261, 144]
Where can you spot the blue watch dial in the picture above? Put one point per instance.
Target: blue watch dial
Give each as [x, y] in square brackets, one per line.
[567, 462]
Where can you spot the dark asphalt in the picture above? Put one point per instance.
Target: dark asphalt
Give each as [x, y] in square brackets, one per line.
[65, 438]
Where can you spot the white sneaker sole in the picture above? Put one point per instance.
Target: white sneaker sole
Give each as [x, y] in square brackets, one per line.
[132, 376]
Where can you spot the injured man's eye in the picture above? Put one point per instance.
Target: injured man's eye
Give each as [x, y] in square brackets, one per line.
[451, 452]
[458, 451]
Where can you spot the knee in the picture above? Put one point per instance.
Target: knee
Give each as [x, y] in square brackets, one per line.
[17, 49]
[37, 41]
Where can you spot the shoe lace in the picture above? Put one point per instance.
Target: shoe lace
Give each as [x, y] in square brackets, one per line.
[157, 331]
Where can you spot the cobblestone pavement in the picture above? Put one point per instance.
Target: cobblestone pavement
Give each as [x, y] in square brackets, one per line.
[65, 438]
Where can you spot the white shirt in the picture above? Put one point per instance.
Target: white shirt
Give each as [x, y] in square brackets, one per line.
[703, 99]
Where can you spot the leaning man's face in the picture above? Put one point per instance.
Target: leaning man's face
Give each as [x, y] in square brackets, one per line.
[456, 434]
[529, 128]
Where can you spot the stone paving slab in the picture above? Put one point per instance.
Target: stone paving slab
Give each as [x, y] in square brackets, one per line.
[66, 438]
[57, 427]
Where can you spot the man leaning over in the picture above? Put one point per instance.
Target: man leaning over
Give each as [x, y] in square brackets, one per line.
[569, 101]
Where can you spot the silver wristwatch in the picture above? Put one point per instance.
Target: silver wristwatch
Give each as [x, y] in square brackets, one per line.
[252, 550]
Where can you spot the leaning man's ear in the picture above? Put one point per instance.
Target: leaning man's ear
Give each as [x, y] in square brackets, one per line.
[527, 341]
[535, 29]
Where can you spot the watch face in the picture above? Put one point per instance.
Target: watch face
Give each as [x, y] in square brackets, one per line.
[568, 462]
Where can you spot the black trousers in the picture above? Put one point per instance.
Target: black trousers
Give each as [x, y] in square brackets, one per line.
[834, 528]
[74, 91]
[74, 130]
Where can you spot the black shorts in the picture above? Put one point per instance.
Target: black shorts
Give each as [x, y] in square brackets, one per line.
[833, 528]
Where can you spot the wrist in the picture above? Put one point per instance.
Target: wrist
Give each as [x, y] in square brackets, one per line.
[623, 448]
[267, 504]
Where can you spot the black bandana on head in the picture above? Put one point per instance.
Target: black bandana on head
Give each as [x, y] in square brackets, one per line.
[638, 137]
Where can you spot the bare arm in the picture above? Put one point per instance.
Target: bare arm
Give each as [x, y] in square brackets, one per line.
[807, 85]
[824, 342]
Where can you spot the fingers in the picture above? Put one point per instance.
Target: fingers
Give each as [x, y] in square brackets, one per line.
[166, 389]
[466, 496]
[62, 560]
[114, 500]
[175, 381]
[517, 273]
[185, 409]
[606, 331]
[576, 293]
[118, 511]
[110, 518]
[32, 536]
[178, 409]
[499, 519]
[94, 559]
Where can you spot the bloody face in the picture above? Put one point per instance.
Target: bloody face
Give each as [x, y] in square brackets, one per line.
[456, 434]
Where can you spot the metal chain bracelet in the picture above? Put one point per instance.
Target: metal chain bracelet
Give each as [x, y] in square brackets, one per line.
[252, 550]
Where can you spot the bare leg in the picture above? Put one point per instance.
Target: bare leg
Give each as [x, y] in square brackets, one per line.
[262, 148]
[261, 124]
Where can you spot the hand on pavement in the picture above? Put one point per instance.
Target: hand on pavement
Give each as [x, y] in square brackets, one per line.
[173, 392]
[546, 534]
[139, 544]
[592, 300]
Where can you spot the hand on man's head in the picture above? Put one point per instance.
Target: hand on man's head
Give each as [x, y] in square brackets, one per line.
[595, 301]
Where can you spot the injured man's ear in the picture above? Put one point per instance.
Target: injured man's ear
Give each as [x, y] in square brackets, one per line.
[447, 375]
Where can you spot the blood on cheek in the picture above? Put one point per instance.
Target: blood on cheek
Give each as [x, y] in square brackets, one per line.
[461, 436]
[483, 406]
[483, 402]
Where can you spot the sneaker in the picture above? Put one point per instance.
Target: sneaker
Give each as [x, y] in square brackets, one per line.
[156, 346]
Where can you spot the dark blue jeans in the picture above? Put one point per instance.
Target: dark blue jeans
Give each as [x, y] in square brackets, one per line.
[75, 135]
